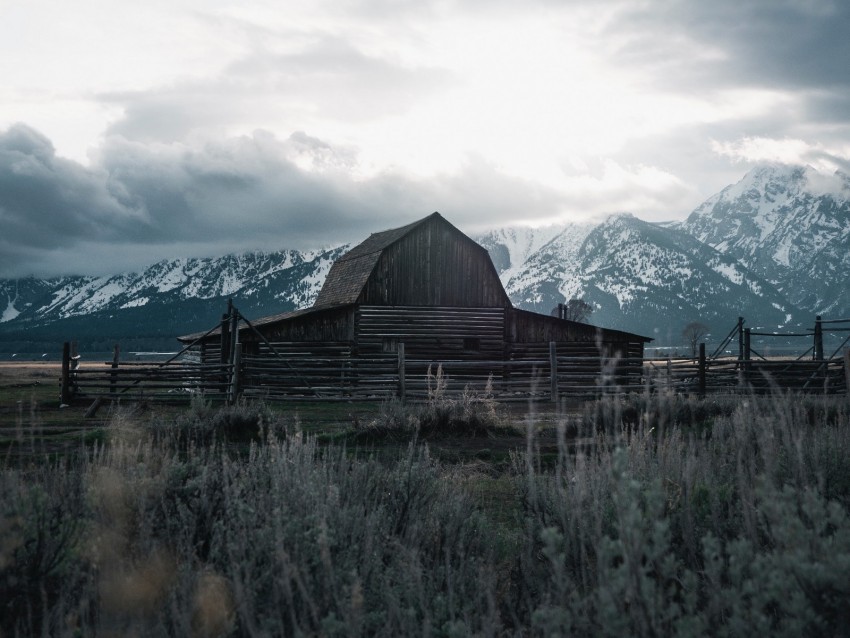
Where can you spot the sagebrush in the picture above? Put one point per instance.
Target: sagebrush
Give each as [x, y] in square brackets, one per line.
[653, 515]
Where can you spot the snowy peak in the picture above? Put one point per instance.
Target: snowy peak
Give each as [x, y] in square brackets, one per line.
[281, 280]
[643, 277]
[17, 295]
[765, 198]
[637, 273]
[511, 246]
[538, 261]
[790, 224]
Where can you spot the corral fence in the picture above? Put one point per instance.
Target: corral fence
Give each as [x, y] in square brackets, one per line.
[334, 371]
[813, 371]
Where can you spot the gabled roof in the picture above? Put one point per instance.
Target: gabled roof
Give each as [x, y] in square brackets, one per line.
[350, 272]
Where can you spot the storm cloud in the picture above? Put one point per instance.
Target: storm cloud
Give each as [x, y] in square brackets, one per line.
[143, 202]
[242, 126]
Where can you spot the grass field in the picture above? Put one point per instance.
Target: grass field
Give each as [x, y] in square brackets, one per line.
[645, 515]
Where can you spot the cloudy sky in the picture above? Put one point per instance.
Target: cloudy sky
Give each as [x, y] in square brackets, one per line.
[136, 131]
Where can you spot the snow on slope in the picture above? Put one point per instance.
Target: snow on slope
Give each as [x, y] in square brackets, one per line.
[515, 244]
[778, 240]
[534, 261]
[292, 277]
[791, 225]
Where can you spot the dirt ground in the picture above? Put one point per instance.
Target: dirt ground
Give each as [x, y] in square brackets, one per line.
[31, 418]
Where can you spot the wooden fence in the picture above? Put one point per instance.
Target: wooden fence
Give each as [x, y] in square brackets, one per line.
[330, 372]
[733, 375]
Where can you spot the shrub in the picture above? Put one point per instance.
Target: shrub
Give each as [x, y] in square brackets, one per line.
[41, 570]
[289, 538]
[736, 526]
[204, 424]
[473, 413]
[739, 528]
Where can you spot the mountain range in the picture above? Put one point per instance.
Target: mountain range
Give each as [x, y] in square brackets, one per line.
[774, 247]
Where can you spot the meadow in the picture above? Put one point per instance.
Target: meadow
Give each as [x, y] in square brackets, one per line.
[651, 514]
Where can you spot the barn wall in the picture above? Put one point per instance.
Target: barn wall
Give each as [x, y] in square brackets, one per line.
[428, 333]
[333, 325]
[530, 327]
[435, 265]
[598, 355]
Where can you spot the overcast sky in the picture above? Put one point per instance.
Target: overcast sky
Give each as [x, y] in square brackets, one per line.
[136, 131]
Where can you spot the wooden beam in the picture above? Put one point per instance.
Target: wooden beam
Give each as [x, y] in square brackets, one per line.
[402, 373]
[847, 369]
[818, 345]
[65, 391]
[114, 378]
[235, 388]
[553, 371]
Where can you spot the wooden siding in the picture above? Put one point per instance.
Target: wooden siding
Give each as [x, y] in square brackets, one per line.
[530, 327]
[432, 334]
[434, 264]
[321, 325]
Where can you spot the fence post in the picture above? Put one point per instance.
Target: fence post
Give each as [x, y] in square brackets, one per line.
[401, 373]
[747, 355]
[553, 371]
[847, 369]
[65, 388]
[235, 389]
[224, 354]
[702, 369]
[234, 331]
[235, 354]
[818, 349]
[113, 377]
[740, 341]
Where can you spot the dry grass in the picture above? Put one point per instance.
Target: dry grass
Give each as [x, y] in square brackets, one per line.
[661, 516]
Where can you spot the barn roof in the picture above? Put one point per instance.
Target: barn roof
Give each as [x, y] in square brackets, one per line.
[259, 323]
[350, 272]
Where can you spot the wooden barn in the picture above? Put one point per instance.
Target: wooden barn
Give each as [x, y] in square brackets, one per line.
[424, 295]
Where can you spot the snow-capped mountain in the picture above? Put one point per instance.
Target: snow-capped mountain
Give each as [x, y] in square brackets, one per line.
[18, 295]
[791, 225]
[167, 299]
[288, 278]
[643, 277]
[542, 261]
[641, 274]
[775, 248]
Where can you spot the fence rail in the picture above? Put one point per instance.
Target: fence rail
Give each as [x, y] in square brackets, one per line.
[378, 367]
[329, 374]
[174, 381]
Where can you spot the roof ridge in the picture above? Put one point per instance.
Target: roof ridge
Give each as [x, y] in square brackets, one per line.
[393, 235]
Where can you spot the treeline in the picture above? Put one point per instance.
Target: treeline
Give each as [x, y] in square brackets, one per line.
[152, 327]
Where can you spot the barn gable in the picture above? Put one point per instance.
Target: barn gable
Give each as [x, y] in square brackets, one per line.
[427, 263]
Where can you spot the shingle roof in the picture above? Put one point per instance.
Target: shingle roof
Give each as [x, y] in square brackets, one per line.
[350, 272]
[257, 323]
